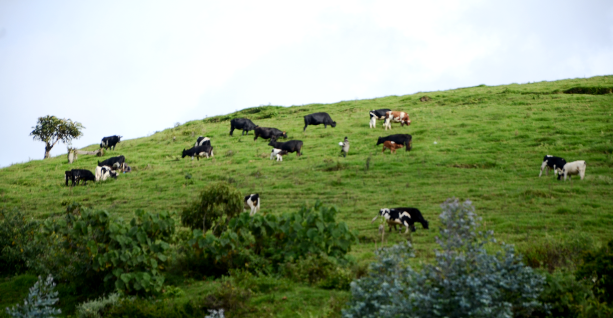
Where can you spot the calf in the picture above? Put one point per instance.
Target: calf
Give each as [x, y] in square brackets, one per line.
[267, 133]
[114, 162]
[392, 146]
[573, 168]
[278, 153]
[554, 163]
[402, 139]
[378, 114]
[318, 119]
[200, 151]
[289, 146]
[252, 202]
[82, 174]
[201, 141]
[111, 141]
[399, 117]
[103, 173]
[242, 123]
[403, 216]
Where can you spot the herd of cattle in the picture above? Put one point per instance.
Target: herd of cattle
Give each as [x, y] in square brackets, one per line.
[406, 217]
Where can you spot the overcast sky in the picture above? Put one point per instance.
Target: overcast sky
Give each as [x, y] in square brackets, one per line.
[133, 67]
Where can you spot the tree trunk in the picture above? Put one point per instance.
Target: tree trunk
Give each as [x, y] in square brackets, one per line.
[48, 151]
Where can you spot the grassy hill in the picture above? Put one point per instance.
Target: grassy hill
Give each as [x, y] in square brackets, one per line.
[490, 142]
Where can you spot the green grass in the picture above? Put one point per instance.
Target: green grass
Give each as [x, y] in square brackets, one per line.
[490, 143]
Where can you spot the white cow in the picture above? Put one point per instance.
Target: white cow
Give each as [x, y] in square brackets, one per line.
[574, 168]
[104, 172]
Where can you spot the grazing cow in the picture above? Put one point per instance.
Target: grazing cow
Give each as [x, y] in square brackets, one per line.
[317, 119]
[111, 141]
[68, 176]
[252, 202]
[267, 133]
[553, 163]
[103, 173]
[403, 216]
[345, 147]
[200, 151]
[378, 114]
[278, 153]
[114, 162]
[392, 146]
[242, 123]
[202, 141]
[289, 146]
[398, 117]
[402, 139]
[573, 168]
[82, 174]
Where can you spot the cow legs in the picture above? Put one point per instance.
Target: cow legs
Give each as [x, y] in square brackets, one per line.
[231, 130]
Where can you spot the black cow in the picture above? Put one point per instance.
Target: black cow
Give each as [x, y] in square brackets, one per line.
[406, 217]
[202, 141]
[289, 146]
[82, 174]
[199, 151]
[266, 133]
[402, 139]
[377, 114]
[242, 123]
[415, 216]
[110, 142]
[317, 119]
[114, 162]
[554, 163]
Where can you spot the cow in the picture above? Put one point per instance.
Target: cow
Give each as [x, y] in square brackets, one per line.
[82, 174]
[103, 173]
[242, 123]
[252, 202]
[200, 151]
[378, 114]
[111, 141]
[403, 216]
[289, 146]
[317, 119]
[554, 163]
[398, 117]
[402, 139]
[345, 147]
[114, 162]
[573, 168]
[267, 133]
[278, 153]
[201, 141]
[392, 146]
[68, 176]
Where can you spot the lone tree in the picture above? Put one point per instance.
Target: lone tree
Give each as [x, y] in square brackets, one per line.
[51, 129]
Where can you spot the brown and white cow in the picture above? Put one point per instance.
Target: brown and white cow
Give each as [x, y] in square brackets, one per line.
[392, 146]
[398, 117]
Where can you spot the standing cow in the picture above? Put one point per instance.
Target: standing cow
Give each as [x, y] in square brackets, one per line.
[553, 163]
[403, 216]
[252, 202]
[378, 114]
[289, 146]
[402, 139]
[318, 119]
[201, 141]
[199, 151]
[110, 142]
[572, 169]
[114, 162]
[398, 117]
[242, 123]
[267, 133]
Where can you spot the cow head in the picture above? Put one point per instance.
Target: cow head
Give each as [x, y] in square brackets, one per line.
[183, 154]
[101, 145]
[113, 174]
[424, 223]
[333, 124]
[380, 141]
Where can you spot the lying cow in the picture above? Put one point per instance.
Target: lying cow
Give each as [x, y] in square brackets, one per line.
[252, 202]
[278, 153]
[103, 173]
[82, 175]
[378, 114]
[115, 162]
[242, 123]
[200, 151]
[572, 169]
[392, 146]
[111, 141]
[201, 141]
[289, 146]
[398, 117]
[553, 163]
[406, 217]
[267, 133]
[318, 119]
[402, 139]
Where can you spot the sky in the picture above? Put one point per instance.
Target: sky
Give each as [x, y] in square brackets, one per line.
[131, 68]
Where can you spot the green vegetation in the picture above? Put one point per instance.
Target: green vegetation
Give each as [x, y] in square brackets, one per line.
[490, 142]
[50, 130]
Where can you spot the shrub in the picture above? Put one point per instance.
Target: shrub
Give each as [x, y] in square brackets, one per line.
[214, 203]
[40, 301]
[556, 253]
[598, 267]
[17, 244]
[97, 308]
[143, 308]
[465, 280]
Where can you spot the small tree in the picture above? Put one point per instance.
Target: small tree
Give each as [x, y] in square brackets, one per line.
[215, 202]
[39, 303]
[50, 130]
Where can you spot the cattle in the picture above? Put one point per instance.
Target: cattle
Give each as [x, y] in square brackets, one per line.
[553, 163]
[398, 117]
[345, 147]
[201, 141]
[103, 173]
[68, 176]
[114, 162]
[242, 123]
[82, 175]
[200, 151]
[318, 119]
[111, 141]
[267, 133]
[392, 146]
[572, 169]
[252, 202]
[278, 153]
[402, 139]
[289, 146]
[375, 115]
[406, 217]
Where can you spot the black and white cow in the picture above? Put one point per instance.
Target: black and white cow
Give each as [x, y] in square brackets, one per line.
[378, 114]
[114, 162]
[202, 141]
[103, 173]
[278, 153]
[110, 142]
[242, 123]
[318, 119]
[252, 202]
[267, 133]
[402, 139]
[82, 175]
[406, 217]
[200, 151]
[553, 163]
[289, 146]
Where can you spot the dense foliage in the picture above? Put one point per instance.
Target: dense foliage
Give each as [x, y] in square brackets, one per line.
[215, 206]
[597, 266]
[50, 130]
[464, 281]
[39, 303]
[17, 244]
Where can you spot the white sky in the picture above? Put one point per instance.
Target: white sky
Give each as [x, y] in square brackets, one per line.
[133, 67]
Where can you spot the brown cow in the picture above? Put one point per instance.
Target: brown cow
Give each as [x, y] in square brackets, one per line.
[399, 117]
[392, 146]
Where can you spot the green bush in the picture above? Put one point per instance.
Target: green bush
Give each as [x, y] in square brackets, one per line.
[166, 308]
[598, 267]
[17, 244]
[594, 90]
[554, 253]
[216, 205]
[97, 308]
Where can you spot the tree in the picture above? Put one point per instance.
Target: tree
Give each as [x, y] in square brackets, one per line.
[215, 202]
[51, 129]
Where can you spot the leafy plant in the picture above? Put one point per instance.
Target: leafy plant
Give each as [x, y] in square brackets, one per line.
[40, 301]
[553, 253]
[216, 205]
[97, 308]
[17, 243]
[50, 130]
[598, 267]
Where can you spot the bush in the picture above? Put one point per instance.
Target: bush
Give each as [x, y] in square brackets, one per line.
[598, 267]
[40, 301]
[17, 244]
[143, 308]
[97, 308]
[214, 203]
[465, 280]
[555, 253]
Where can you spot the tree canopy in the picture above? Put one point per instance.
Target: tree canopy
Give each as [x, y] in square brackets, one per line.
[50, 130]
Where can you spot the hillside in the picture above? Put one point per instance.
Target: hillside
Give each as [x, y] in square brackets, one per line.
[490, 142]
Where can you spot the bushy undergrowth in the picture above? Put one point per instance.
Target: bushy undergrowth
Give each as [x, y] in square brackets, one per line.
[97, 308]
[597, 266]
[17, 244]
[554, 254]
[216, 205]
